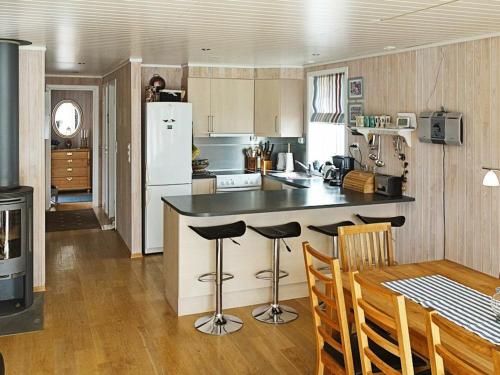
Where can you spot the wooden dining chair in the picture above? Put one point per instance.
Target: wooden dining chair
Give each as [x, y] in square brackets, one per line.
[366, 246]
[446, 358]
[333, 344]
[383, 339]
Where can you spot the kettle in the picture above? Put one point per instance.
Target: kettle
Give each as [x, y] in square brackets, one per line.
[327, 170]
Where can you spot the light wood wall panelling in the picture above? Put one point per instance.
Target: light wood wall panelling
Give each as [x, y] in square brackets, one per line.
[445, 180]
[136, 154]
[78, 81]
[32, 148]
[279, 73]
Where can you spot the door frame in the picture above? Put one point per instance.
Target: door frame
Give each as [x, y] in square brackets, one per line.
[95, 131]
[106, 151]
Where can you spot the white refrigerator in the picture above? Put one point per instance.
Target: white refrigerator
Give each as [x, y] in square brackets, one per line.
[167, 169]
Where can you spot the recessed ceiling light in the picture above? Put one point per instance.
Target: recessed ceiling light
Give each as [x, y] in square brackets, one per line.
[206, 49]
[315, 54]
[389, 48]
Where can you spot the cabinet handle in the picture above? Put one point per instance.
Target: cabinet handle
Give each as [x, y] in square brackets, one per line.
[276, 124]
[70, 169]
[69, 178]
[70, 161]
[213, 124]
[69, 153]
[209, 123]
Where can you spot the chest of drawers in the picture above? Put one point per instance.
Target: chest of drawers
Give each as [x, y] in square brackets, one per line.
[71, 169]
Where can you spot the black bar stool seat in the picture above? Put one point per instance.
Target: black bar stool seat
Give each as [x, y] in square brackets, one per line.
[279, 231]
[218, 323]
[396, 221]
[275, 313]
[330, 229]
[219, 232]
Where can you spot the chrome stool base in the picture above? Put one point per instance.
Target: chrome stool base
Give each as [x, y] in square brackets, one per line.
[279, 314]
[218, 325]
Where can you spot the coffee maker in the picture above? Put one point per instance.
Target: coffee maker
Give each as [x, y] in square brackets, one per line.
[343, 165]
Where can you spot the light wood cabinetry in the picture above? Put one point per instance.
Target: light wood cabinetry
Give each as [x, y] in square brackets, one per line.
[232, 104]
[279, 107]
[199, 95]
[71, 169]
[221, 106]
[203, 186]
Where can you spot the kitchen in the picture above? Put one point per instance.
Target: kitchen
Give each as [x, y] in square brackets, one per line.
[248, 154]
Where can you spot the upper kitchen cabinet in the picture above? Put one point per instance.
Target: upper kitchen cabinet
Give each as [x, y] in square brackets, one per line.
[199, 96]
[221, 106]
[232, 106]
[279, 107]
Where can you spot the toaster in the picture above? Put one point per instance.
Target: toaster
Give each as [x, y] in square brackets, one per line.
[391, 186]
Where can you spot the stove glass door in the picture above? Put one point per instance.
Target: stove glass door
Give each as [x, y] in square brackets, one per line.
[10, 234]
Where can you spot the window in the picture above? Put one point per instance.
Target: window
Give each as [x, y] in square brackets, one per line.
[326, 113]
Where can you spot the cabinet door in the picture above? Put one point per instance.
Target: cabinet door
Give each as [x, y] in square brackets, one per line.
[203, 186]
[232, 106]
[199, 96]
[267, 107]
[292, 108]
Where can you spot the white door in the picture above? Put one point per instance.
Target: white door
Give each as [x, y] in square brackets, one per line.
[169, 136]
[153, 220]
[110, 151]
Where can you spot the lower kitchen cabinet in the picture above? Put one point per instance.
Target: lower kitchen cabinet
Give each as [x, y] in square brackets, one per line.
[203, 186]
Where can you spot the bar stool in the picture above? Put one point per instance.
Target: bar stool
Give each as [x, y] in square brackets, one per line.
[332, 231]
[396, 221]
[219, 324]
[275, 313]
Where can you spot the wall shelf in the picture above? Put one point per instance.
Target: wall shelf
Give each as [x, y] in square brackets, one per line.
[405, 133]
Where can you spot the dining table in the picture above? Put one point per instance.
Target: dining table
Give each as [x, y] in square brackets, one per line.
[480, 356]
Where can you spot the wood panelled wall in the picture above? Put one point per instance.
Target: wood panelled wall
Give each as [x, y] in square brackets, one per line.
[128, 170]
[454, 216]
[32, 148]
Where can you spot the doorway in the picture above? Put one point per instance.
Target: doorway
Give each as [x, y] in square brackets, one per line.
[72, 162]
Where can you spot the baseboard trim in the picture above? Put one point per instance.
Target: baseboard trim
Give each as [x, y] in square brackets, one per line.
[39, 288]
[135, 255]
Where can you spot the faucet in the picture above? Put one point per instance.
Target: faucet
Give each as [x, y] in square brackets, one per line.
[307, 168]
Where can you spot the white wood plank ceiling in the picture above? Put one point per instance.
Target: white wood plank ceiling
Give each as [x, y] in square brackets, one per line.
[101, 33]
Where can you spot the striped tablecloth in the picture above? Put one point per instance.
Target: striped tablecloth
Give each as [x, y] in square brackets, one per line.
[462, 305]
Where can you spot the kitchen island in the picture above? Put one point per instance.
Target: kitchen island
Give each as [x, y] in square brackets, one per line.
[187, 255]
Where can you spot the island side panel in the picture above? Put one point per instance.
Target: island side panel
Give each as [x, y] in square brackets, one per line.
[196, 256]
[171, 256]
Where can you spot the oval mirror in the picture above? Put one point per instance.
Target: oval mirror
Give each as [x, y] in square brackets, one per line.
[66, 118]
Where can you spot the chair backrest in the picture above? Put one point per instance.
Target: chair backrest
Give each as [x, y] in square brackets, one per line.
[446, 359]
[395, 324]
[330, 319]
[366, 246]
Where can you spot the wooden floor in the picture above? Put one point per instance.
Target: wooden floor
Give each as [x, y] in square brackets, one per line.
[105, 314]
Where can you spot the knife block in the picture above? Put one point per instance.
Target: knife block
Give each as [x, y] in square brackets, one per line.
[251, 163]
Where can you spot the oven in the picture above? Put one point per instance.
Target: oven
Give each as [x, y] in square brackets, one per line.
[231, 182]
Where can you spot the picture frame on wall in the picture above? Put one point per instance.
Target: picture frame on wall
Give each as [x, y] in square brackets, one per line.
[353, 110]
[356, 88]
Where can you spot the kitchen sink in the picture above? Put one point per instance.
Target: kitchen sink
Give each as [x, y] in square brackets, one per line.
[294, 176]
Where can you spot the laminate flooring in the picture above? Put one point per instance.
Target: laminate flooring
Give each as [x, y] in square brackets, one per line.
[106, 314]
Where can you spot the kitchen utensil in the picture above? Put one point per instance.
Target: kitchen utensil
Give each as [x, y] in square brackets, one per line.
[200, 164]
[379, 163]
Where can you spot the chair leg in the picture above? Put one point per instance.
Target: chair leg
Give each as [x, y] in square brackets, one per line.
[218, 324]
[275, 313]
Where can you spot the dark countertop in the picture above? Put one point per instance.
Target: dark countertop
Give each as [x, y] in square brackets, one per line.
[199, 176]
[319, 195]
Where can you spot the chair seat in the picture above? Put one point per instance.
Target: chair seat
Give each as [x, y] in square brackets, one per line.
[2, 366]
[236, 229]
[279, 231]
[383, 354]
[396, 221]
[331, 229]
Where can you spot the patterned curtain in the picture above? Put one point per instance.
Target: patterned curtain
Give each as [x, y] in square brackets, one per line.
[328, 91]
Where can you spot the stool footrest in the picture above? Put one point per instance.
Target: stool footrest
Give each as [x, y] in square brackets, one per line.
[210, 277]
[268, 274]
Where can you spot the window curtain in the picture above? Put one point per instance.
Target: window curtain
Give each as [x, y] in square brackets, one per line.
[327, 99]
